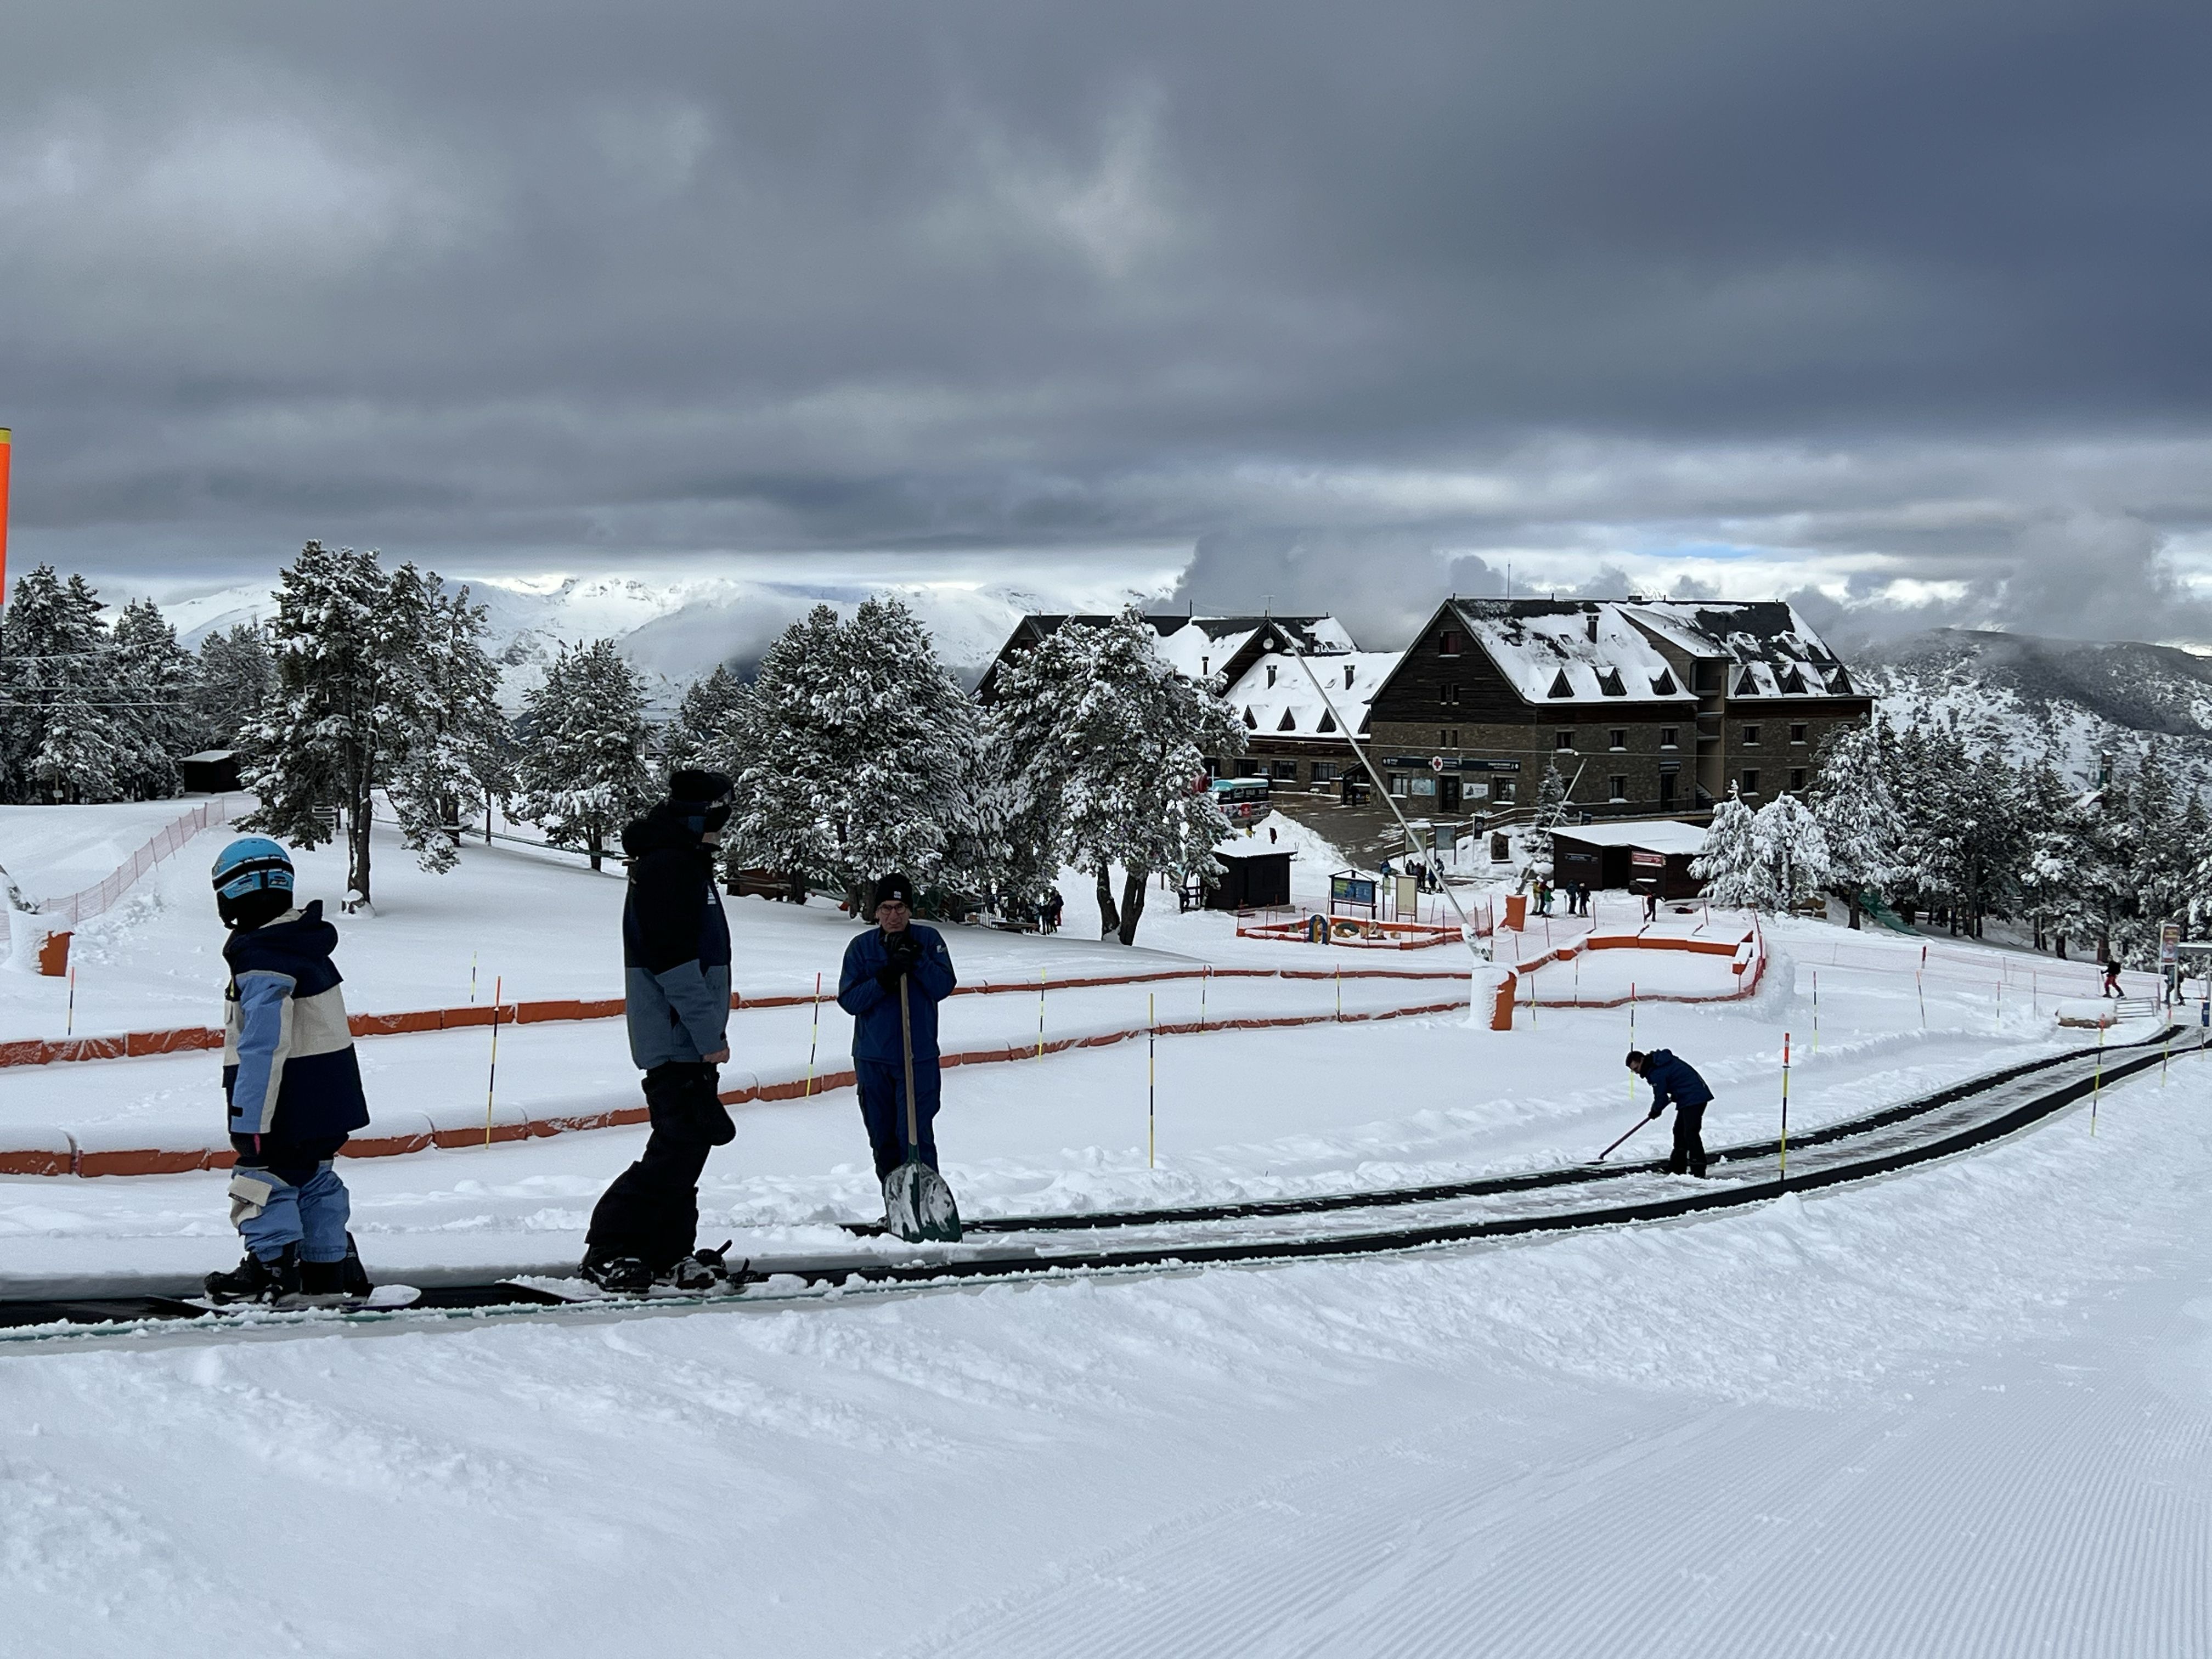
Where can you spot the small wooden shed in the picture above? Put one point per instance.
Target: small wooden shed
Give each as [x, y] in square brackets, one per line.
[1250, 880]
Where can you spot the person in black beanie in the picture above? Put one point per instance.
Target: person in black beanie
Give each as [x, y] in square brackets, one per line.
[675, 971]
[897, 947]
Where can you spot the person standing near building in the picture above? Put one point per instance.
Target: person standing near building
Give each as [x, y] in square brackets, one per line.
[676, 982]
[897, 948]
[1674, 1080]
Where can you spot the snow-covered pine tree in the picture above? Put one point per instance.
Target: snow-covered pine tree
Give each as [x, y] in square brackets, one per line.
[335, 717]
[452, 759]
[1115, 740]
[582, 771]
[1728, 864]
[1857, 818]
[705, 731]
[857, 752]
[236, 670]
[154, 679]
[1551, 811]
[1790, 858]
[59, 740]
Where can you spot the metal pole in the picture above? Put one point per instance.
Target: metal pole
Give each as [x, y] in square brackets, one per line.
[1783, 1174]
[1040, 1047]
[491, 1077]
[814, 1042]
[1151, 1083]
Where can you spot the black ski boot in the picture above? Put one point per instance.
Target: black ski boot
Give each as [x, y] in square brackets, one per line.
[618, 1275]
[706, 1270]
[256, 1280]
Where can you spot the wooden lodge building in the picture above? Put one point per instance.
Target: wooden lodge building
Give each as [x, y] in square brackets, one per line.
[1646, 706]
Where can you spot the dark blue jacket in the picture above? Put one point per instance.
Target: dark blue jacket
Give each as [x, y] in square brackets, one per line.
[676, 943]
[288, 1071]
[1673, 1079]
[875, 1010]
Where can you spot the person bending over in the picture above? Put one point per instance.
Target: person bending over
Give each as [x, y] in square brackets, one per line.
[1673, 1079]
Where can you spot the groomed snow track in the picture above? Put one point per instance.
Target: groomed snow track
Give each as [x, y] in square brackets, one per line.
[1958, 1119]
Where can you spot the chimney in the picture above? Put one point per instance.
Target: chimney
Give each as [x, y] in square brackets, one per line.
[1592, 620]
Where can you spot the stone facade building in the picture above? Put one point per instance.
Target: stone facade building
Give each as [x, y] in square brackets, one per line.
[1645, 707]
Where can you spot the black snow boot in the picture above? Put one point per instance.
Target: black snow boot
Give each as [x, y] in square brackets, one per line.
[706, 1270]
[256, 1280]
[621, 1275]
[353, 1278]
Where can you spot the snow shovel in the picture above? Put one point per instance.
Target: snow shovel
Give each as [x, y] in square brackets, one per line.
[1602, 1157]
[917, 1204]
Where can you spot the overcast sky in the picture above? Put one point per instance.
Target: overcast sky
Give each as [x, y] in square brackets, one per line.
[1900, 306]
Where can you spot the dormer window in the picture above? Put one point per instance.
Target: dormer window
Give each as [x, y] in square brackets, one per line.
[1792, 680]
[1663, 684]
[1747, 684]
[1609, 682]
[1561, 686]
[1250, 724]
[1328, 722]
[1839, 680]
[1289, 722]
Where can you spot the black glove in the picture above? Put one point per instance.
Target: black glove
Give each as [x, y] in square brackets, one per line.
[888, 977]
[1655, 1110]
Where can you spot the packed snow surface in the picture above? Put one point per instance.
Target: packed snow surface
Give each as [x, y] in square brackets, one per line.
[1964, 1411]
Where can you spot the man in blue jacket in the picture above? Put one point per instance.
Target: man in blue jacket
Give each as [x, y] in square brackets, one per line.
[676, 989]
[1673, 1079]
[292, 1082]
[896, 948]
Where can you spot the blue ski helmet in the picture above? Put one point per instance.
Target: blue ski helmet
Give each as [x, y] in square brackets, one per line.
[250, 864]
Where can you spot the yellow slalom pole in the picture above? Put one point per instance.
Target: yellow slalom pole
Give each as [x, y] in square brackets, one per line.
[1040, 1052]
[491, 1079]
[1784, 1173]
[814, 1042]
[2097, 1085]
[1631, 1038]
[1151, 1083]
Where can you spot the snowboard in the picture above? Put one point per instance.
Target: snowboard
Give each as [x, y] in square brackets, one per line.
[581, 1290]
[383, 1298]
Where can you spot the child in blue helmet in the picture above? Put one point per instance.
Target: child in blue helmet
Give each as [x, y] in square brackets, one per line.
[292, 1082]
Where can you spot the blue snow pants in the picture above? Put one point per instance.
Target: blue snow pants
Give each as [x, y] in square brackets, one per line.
[302, 1205]
[883, 1108]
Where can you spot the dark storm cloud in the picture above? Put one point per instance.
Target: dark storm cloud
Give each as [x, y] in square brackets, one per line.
[1341, 296]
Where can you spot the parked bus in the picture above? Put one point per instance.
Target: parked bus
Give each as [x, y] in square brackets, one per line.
[1242, 800]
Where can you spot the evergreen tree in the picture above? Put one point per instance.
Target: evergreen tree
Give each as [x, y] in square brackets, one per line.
[1791, 859]
[1728, 863]
[581, 772]
[859, 753]
[59, 741]
[1551, 811]
[1107, 743]
[705, 731]
[235, 673]
[453, 759]
[155, 723]
[1857, 818]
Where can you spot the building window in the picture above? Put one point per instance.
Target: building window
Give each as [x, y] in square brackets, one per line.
[1248, 769]
[1448, 643]
[1670, 736]
[1750, 737]
[1617, 737]
[1287, 771]
[1563, 740]
[1398, 783]
[1422, 786]
[1448, 736]
[1448, 696]
[1797, 777]
[1324, 771]
[1797, 732]
[1504, 791]
[1750, 786]
[1617, 786]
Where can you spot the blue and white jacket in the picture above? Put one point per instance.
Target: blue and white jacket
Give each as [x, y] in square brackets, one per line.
[289, 1070]
[875, 1010]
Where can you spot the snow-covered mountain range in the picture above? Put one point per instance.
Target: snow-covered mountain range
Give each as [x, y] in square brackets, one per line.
[674, 630]
[2070, 699]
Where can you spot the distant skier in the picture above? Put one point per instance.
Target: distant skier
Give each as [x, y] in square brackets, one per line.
[897, 947]
[676, 975]
[2112, 978]
[1673, 1079]
[292, 1082]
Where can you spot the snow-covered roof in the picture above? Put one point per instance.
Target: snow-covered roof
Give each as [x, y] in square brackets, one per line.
[1289, 706]
[1570, 651]
[1651, 835]
[1772, 650]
